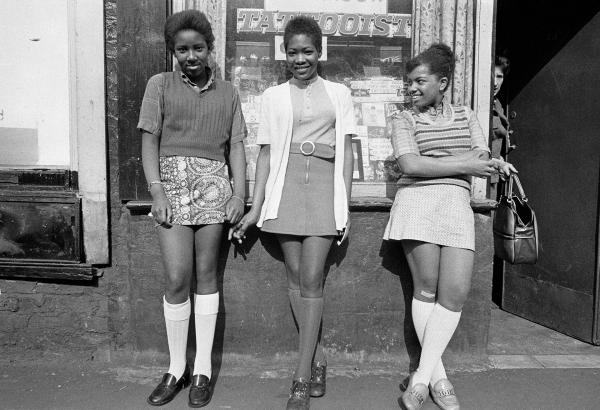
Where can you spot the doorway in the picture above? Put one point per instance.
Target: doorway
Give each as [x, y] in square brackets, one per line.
[551, 95]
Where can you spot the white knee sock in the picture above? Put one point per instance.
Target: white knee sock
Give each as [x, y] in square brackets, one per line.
[439, 330]
[420, 315]
[177, 319]
[206, 308]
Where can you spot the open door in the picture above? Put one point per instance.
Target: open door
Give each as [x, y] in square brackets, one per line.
[553, 101]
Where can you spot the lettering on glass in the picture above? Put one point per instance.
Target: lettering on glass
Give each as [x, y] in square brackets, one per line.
[332, 24]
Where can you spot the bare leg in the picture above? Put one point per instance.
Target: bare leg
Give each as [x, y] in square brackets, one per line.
[424, 262]
[206, 300]
[454, 282]
[177, 247]
[208, 243]
[456, 271]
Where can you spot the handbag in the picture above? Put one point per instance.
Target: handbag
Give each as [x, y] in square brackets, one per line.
[515, 226]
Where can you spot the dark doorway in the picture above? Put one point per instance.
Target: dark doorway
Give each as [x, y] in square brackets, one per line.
[552, 95]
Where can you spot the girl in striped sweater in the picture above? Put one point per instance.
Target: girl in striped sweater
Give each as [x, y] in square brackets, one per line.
[439, 147]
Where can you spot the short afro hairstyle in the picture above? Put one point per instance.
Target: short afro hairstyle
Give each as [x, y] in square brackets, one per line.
[439, 58]
[188, 20]
[303, 25]
[503, 62]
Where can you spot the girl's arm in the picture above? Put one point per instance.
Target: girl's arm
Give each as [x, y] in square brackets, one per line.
[263, 167]
[258, 197]
[161, 208]
[422, 166]
[237, 161]
[474, 162]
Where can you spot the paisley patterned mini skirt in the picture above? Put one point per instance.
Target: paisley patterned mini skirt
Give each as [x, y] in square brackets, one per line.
[197, 188]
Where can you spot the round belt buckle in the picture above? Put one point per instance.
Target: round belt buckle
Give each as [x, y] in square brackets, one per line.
[312, 145]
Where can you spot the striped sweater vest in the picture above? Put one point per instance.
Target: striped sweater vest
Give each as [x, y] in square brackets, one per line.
[433, 140]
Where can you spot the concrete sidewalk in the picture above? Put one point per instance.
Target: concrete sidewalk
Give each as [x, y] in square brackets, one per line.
[527, 367]
[66, 384]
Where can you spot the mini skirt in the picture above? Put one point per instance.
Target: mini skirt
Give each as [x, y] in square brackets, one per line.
[197, 189]
[306, 206]
[439, 214]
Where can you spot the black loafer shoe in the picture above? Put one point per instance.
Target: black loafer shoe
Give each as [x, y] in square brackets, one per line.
[199, 391]
[299, 396]
[318, 379]
[167, 389]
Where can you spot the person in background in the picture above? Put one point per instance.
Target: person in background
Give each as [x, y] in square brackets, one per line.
[302, 188]
[503, 141]
[438, 147]
[192, 129]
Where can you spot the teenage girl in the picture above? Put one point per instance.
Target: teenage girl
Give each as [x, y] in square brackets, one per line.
[192, 129]
[439, 147]
[302, 188]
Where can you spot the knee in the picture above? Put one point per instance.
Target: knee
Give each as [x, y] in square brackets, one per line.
[453, 299]
[426, 284]
[177, 286]
[206, 278]
[311, 285]
[292, 269]
[424, 294]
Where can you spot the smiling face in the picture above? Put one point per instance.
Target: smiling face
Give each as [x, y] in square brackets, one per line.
[302, 57]
[191, 51]
[498, 79]
[425, 89]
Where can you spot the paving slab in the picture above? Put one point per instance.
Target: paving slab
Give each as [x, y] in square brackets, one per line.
[73, 385]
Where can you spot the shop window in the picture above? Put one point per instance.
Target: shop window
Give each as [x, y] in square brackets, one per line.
[365, 47]
[53, 206]
[34, 131]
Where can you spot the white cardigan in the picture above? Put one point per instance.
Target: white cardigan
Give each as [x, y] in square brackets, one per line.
[275, 129]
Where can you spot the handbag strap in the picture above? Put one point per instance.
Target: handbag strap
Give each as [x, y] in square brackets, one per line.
[508, 188]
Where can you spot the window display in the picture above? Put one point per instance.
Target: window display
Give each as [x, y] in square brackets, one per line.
[366, 52]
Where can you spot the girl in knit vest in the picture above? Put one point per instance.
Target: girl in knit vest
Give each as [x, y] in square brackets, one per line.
[439, 147]
[192, 130]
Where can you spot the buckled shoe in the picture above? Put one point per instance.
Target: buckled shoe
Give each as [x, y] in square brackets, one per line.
[444, 396]
[414, 397]
[299, 395]
[167, 389]
[318, 379]
[200, 393]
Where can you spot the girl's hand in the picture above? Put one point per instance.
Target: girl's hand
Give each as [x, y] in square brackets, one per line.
[234, 209]
[161, 209]
[238, 231]
[343, 234]
[503, 167]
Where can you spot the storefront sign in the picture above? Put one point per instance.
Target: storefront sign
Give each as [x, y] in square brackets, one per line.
[336, 24]
[349, 6]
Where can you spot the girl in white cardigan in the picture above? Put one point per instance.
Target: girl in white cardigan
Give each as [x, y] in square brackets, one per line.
[302, 188]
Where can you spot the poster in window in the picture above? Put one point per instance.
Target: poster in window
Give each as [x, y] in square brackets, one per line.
[357, 173]
[373, 114]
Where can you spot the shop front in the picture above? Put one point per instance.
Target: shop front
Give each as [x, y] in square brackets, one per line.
[365, 47]
[368, 286]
